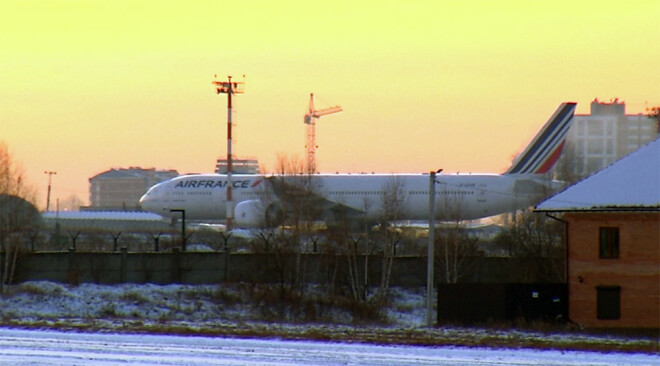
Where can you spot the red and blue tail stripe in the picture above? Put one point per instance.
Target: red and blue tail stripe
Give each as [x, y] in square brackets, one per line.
[545, 149]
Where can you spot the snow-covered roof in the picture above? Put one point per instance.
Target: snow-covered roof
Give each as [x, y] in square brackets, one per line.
[632, 183]
[107, 220]
[103, 215]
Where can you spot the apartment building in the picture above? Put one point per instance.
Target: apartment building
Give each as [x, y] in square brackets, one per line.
[602, 137]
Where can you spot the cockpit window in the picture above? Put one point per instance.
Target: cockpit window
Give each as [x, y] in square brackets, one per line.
[153, 190]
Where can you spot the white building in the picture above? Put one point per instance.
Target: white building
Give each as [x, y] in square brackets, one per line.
[603, 137]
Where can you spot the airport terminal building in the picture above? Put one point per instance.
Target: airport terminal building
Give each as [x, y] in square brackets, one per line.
[122, 188]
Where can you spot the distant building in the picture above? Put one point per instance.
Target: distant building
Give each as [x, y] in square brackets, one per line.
[599, 139]
[122, 188]
[238, 166]
[613, 243]
[117, 221]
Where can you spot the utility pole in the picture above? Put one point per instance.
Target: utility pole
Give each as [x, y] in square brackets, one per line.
[430, 253]
[183, 228]
[50, 175]
[229, 87]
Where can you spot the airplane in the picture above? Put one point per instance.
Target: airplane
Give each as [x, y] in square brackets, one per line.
[268, 201]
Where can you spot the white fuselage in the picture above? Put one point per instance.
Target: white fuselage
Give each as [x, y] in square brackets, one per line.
[458, 197]
[256, 198]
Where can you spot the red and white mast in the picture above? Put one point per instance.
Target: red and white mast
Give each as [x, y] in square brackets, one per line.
[229, 87]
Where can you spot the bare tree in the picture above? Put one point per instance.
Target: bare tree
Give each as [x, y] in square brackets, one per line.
[71, 203]
[297, 190]
[295, 202]
[393, 210]
[457, 253]
[654, 113]
[568, 166]
[18, 215]
[533, 237]
[12, 180]
[393, 200]
[347, 245]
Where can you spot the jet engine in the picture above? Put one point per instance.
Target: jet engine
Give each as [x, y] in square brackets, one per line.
[256, 213]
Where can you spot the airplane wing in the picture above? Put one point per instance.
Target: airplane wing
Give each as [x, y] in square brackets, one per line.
[297, 193]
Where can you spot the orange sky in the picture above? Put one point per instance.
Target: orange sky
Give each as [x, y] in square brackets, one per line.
[461, 85]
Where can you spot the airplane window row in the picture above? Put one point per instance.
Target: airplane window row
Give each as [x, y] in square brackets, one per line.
[199, 193]
[248, 193]
[354, 193]
[426, 193]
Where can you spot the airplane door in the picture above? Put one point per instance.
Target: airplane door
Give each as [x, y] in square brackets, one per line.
[481, 193]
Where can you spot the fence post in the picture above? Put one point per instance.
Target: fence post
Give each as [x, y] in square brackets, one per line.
[176, 271]
[122, 267]
[73, 273]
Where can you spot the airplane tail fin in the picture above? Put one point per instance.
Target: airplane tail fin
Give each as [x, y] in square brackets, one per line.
[544, 150]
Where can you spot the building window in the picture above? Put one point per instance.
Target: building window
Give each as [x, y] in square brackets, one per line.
[595, 163]
[595, 128]
[594, 147]
[608, 302]
[609, 242]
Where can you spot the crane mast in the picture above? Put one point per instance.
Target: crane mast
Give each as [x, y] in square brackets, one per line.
[310, 120]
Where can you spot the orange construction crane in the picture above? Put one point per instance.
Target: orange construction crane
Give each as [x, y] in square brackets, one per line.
[310, 121]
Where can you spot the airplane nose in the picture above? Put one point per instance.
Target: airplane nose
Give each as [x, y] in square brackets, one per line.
[148, 202]
[144, 202]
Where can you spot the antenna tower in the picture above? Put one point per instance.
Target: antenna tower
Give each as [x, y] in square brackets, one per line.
[230, 88]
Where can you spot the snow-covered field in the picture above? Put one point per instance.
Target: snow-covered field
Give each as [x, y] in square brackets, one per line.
[50, 323]
[117, 305]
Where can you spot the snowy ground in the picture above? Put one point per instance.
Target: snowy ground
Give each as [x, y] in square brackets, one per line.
[118, 305]
[94, 323]
[33, 347]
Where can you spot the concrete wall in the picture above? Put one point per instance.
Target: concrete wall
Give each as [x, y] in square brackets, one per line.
[206, 268]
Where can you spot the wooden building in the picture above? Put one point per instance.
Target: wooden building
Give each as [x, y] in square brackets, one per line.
[613, 243]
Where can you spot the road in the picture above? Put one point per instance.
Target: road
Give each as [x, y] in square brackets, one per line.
[45, 347]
